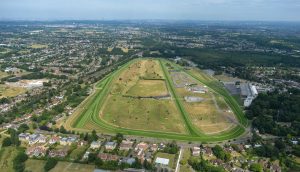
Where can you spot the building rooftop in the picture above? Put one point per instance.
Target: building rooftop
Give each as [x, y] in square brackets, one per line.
[162, 161]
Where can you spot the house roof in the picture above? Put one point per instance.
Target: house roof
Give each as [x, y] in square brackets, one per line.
[163, 161]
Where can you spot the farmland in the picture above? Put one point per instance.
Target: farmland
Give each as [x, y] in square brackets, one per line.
[144, 92]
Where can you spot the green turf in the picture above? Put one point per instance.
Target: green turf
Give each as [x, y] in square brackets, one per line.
[90, 113]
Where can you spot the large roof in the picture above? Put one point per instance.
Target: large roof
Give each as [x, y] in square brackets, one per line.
[163, 161]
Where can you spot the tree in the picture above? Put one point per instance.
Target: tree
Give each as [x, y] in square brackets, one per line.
[98, 162]
[171, 148]
[6, 142]
[14, 138]
[23, 127]
[147, 165]
[279, 144]
[94, 136]
[50, 163]
[19, 162]
[62, 130]
[119, 137]
[92, 157]
[255, 167]
[220, 153]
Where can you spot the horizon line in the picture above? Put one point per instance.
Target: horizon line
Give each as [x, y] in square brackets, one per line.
[193, 20]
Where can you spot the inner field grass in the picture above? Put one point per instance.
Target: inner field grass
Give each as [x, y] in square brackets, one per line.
[90, 114]
[142, 114]
[147, 88]
[130, 111]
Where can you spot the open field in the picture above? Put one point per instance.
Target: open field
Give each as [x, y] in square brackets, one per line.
[7, 155]
[33, 165]
[72, 167]
[143, 113]
[136, 108]
[3, 74]
[37, 46]
[146, 88]
[109, 110]
[9, 91]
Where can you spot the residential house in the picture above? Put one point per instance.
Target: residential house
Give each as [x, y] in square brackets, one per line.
[140, 155]
[247, 146]
[126, 145]
[161, 146]
[68, 140]
[54, 139]
[82, 143]
[207, 151]
[33, 138]
[86, 155]
[196, 151]
[143, 146]
[72, 140]
[108, 157]
[129, 161]
[61, 153]
[64, 141]
[110, 145]
[36, 151]
[275, 168]
[24, 136]
[154, 147]
[95, 145]
[162, 161]
[42, 139]
[216, 162]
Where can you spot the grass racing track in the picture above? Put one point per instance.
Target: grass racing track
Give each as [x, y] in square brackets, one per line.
[88, 112]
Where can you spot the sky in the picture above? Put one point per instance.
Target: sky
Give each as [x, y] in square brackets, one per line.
[236, 10]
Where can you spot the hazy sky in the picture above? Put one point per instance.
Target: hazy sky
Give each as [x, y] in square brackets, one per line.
[274, 10]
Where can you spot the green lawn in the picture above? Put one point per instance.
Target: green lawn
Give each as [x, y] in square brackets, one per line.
[72, 167]
[7, 154]
[184, 166]
[33, 165]
[145, 88]
[78, 153]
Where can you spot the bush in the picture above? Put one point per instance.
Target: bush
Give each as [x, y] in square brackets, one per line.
[256, 167]
[6, 142]
[50, 163]
[18, 162]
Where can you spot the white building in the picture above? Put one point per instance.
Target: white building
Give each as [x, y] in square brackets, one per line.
[95, 145]
[162, 161]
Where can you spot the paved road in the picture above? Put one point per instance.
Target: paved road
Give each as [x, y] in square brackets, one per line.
[179, 158]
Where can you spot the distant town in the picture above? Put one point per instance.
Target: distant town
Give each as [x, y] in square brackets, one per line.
[235, 89]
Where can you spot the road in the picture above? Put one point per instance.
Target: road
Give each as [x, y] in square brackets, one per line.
[179, 158]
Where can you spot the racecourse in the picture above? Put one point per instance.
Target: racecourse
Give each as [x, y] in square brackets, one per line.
[86, 117]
